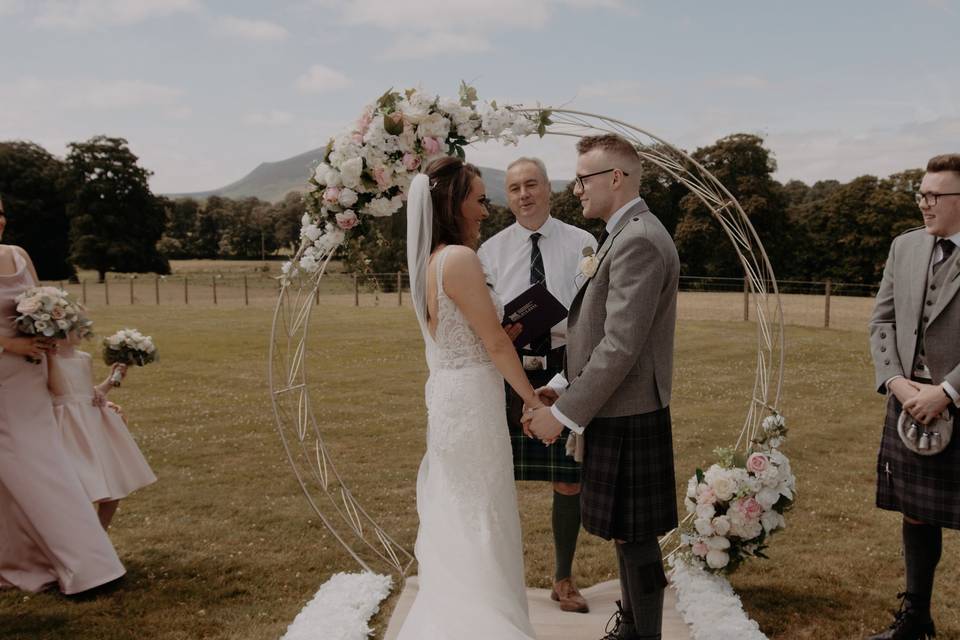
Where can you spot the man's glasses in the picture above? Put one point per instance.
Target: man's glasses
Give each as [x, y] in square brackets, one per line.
[931, 198]
[580, 179]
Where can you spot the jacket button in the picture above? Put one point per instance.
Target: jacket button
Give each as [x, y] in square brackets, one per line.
[883, 334]
[883, 348]
[929, 303]
[933, 287]
[926, 319]
[887, 361]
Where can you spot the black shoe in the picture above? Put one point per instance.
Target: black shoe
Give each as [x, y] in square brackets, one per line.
[95, 592]
[908, 624]
[621, 630]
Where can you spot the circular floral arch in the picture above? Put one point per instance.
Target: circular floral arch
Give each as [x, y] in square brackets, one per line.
[365, 173]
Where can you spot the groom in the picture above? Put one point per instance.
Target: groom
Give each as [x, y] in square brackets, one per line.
[620, 365]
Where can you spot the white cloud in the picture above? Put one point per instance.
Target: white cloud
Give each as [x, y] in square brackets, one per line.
[322, 79]
[446, 15]
[11, 7]
[620, 91]
[434, 44]
[89, 14]
[272, 118]
[737, 81]
[249, 29]
[124, 94]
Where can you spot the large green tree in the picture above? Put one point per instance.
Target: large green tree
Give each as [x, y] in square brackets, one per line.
[116, 220]
[36, 193]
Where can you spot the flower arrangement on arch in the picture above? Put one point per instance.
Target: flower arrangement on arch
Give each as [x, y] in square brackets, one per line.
[366, 170]
[739, 502]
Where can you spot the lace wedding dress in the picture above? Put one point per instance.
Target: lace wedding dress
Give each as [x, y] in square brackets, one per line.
[469, 551]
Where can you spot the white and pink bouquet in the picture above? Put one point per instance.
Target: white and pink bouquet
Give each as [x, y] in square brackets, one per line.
[367, 169]
[739, 502]
[47, 312]
[128, 347]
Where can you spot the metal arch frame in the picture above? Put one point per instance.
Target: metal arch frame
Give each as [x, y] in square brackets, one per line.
[289, 391]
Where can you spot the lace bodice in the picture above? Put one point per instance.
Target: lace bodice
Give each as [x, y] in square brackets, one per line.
[455, 345]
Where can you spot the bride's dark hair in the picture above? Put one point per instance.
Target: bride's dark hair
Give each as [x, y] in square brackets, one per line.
[450, 182]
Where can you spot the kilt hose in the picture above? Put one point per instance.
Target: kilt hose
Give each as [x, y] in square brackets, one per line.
[532, 460]
[629, 488]
[925, 488]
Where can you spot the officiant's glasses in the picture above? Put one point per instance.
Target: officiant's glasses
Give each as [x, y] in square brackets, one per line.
[580, 179]
[920, 197]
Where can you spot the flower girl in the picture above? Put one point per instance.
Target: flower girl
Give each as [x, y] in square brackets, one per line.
[106, 458]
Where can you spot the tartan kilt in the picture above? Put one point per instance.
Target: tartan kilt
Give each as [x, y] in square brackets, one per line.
[925, 488]
[629, 487]
[532, 460]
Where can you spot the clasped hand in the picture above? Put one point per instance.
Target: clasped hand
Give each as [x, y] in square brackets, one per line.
[539, 422]
[922, 401]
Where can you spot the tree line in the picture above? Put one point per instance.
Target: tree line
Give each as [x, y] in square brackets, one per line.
[94, 210]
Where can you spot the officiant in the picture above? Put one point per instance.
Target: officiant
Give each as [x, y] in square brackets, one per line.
[539, 248]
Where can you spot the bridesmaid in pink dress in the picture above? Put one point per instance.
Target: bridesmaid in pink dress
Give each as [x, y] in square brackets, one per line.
[49, 532]
[103, 452]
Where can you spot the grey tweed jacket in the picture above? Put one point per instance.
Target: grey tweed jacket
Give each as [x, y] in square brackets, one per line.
[621, 324]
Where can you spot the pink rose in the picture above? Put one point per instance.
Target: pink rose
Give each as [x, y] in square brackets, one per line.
[58, 313]
[380, 175]
[757, 463]
[347, 220]
[706, 496]
[410, 162]
[700, 548]
[750, 508]
[28, 307]
[431, 146]
[331, 195]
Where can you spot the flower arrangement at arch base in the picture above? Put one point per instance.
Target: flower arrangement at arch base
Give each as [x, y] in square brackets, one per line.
[738, 503]
[366, 170]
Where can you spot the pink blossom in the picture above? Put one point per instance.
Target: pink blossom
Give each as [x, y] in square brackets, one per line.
[357, 137]
[363, 122]
[706, 496]
[410, 161]
[380, 175]
[750, 508]
[347, 220]
[331, 195]
[57, 313]
[757, 463]
[431, 146]
[700, 548]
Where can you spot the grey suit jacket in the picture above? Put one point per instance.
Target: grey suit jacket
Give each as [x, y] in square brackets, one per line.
[900, 308]
[621, 324]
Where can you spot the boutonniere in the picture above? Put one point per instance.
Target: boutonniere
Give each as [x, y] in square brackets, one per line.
[589, 263]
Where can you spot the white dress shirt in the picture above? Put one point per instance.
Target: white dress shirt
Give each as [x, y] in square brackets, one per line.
[559, 383]
[946, 386]
[506, 262]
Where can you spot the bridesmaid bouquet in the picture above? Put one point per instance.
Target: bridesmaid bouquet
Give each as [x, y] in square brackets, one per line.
[129, 347]
[47, 312]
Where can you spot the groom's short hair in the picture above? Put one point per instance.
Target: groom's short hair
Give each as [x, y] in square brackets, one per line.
[614, 145]
[945, 162]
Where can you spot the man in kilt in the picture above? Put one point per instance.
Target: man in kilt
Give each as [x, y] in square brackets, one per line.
[538, 247]
[619, 365]
[915, 344]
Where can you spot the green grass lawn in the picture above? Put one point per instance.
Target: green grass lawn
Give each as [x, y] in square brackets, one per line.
[226, 546]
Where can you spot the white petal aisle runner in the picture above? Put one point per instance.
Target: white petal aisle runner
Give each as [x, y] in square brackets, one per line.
[553, 624]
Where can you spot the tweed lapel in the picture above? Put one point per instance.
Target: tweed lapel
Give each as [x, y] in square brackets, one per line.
[951, 285]
[918, 264]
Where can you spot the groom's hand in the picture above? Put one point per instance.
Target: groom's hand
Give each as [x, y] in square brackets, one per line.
[927, 403]
[544, 426]
[547, 395]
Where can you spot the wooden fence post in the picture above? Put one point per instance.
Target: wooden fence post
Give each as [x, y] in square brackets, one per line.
[399, 289]
[826, 304]
[186, 292]
[83, 291]
[156, 288]
[131, 290]
[356, 291]
[246, 296]
[214, 280]
[746, 298]
[106, 291]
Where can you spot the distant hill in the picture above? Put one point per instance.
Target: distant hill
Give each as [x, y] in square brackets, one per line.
[272, 180]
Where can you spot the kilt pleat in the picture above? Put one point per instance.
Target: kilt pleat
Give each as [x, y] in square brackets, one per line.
[628, 489]
[531, 459]
[925, 488]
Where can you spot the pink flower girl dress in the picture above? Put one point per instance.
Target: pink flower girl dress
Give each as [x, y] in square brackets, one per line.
[103, 452]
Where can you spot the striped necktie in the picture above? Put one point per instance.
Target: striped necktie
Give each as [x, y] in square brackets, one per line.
[540, 346]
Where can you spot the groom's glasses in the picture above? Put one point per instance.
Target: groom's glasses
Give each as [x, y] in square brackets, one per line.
[931, 198]
[580, 179]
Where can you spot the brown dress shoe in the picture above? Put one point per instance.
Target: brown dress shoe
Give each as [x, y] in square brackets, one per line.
[569, 598]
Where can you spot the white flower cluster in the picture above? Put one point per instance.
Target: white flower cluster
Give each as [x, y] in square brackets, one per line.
[737, 505]
[709, 605]
[129, 346]
[48, 312]
[367, 170]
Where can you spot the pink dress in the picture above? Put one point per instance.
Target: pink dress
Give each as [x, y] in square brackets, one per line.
[49, 531]
[104, 454]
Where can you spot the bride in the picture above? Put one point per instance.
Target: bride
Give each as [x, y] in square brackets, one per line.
[469, 552]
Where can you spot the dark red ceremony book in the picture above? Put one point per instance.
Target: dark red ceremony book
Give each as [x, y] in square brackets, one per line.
[537, 310]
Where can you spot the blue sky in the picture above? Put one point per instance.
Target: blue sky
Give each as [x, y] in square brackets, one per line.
[205, 90]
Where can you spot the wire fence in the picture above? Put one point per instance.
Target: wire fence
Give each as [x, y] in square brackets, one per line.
[380, 289]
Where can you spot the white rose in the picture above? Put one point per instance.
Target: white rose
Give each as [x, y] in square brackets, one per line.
[588, 266]
[767, 497]
[717, 559]
[703, 526]
[433, 126]
[350, 172]
[348, 197]
[706, 511]
[724, 486]
[772, 520]
[692, 485]
[721, 525]
[311, 232]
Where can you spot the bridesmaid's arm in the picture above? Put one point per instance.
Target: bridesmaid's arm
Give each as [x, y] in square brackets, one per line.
[464, 282]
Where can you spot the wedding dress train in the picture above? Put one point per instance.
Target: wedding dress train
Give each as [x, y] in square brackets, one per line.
[468, 549]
